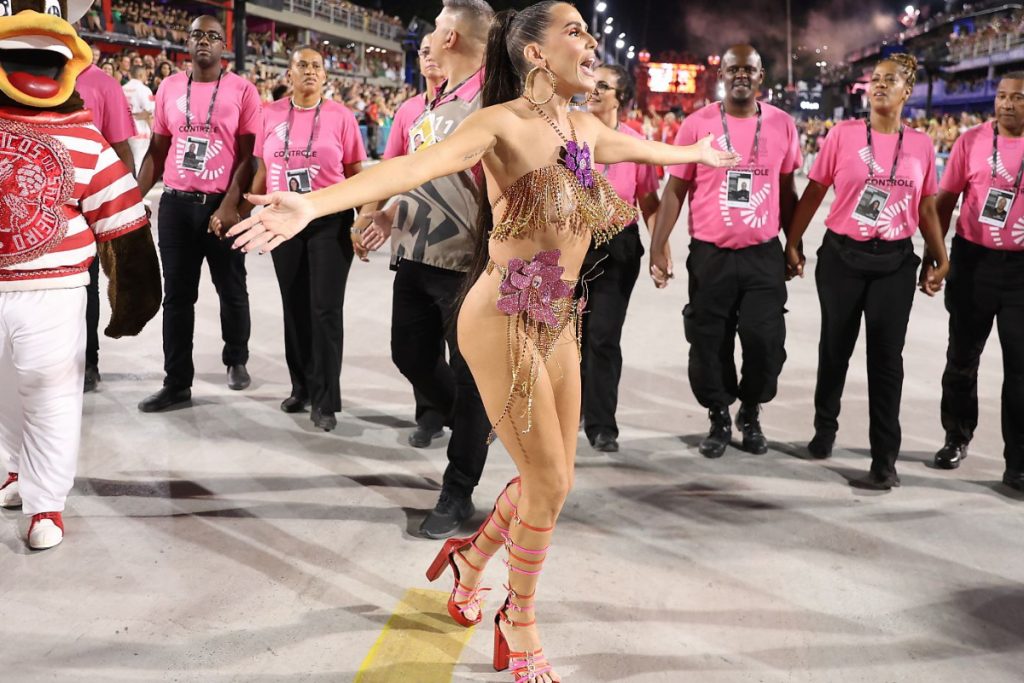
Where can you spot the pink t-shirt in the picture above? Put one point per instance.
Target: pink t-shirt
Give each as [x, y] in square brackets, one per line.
[337, 142]
[631, 181]
[202, 160]
[894, 205]
[969, 172]
[739, 207]
[104, 97]
[398, 139]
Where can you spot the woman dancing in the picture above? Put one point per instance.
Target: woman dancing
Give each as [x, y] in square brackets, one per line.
[518, 325]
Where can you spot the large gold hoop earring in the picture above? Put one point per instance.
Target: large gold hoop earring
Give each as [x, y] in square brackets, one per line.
[528, 85]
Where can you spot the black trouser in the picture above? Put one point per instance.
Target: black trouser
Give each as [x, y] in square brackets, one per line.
[184, 242]
[422, 320]
[876, 280]
[312, 270]
[984, 285]
[92, 315]
[616, 266]
[735, 291]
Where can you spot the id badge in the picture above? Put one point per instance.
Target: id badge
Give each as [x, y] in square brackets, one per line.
[996, 209]
[870, 205]
[298, 180]
[739, 189]
[422, 134]
[196, 149]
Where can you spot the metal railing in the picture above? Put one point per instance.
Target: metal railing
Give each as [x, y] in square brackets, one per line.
[338, 13]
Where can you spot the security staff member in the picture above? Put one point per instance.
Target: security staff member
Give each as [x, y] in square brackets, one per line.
[309, 142]
[736, 267]
[866, 265]
[612, 270]
[986, 280]
[204, 131]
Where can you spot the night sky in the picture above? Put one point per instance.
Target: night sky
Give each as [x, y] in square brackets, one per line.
[707, 27]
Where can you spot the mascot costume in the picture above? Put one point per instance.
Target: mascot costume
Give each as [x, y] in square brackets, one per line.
[64, 196]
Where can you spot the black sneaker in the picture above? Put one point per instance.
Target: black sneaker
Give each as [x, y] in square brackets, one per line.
[719, 436]
[877, 482]
[164, 399]
[951, 454]
[605, 443]
[423, 435]
[92, 378]
[447, 516]
[749, 423]
[323, 419]
[294, 404]
[1015, 480]
[238, 377]
[821, 445]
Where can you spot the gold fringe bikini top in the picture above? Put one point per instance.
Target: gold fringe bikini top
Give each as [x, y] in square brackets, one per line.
[553, 196]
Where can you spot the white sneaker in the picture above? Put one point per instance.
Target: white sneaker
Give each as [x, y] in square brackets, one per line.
[46, 530]
[10, 495]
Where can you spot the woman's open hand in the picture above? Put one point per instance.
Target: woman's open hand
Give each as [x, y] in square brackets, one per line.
[284, 215]
[716, 158]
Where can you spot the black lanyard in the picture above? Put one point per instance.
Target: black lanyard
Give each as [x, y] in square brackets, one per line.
[188, 101]
[757, 133]
[995, 158]
[871, 154]
[312, 132]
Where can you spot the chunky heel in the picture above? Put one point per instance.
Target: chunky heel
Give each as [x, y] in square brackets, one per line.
[450, 547]
[501, 651]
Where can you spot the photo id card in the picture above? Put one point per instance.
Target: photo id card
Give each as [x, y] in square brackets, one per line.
[870, 205]
[422, 134]
[298, 180]
[996, 209]
[195, 154]
[739, 189]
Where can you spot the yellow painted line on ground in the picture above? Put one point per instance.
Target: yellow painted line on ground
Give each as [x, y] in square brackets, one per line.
[419, 644]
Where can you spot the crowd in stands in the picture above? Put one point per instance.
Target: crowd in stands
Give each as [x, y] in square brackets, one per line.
[995, 34]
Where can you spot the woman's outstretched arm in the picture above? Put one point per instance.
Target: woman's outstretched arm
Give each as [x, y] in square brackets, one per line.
[287, 213]
[612, 147]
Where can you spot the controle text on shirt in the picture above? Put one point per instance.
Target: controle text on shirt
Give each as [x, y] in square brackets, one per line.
[860, 173]
[332, 138]
[738, 207]
[987, 180]
[202, 156]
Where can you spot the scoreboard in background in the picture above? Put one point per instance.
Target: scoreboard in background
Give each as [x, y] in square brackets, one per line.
[664, 77]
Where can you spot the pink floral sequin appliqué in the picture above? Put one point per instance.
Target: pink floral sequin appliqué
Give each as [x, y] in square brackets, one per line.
[531, 288]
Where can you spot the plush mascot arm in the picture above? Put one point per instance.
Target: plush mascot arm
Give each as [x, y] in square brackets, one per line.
[131, 264]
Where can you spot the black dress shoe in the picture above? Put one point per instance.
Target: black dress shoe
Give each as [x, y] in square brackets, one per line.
[720, 435]
[167, 397]
[422, 436]
[749, 423]
[951, 455]
[821, 445]
[877, 482]
[448, 515]
[238, 377]
[1015, 480]
[605, 443]
[293, 404]
[324, 420]
[92, 378]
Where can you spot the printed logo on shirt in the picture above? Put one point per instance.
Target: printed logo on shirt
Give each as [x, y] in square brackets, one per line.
[196, 127]
[865, 156]
[892, 222]
[34, 186]
[1001, 169]
[1016, 234]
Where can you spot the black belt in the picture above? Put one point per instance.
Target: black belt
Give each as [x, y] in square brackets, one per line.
[980, 252]
[194, 197]
[770, 244]
[872, 246]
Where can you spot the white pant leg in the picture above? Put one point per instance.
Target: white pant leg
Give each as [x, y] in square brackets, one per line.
[46, 332]
[11, 418]
[138, 146]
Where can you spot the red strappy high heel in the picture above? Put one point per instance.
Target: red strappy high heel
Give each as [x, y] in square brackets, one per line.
[526, 666]
[463, 597]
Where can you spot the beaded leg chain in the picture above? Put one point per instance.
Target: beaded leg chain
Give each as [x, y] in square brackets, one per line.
[525, 565]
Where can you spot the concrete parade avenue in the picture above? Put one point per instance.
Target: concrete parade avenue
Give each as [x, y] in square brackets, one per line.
[229, 541]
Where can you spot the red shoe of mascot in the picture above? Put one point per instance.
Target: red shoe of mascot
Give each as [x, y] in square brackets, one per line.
[63, 191]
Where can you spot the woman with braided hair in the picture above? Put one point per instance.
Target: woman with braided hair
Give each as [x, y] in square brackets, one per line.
[883, 174]
[518, 327]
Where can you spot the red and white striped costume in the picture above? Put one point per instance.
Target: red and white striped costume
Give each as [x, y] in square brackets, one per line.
[62, 189]
[104, 203]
